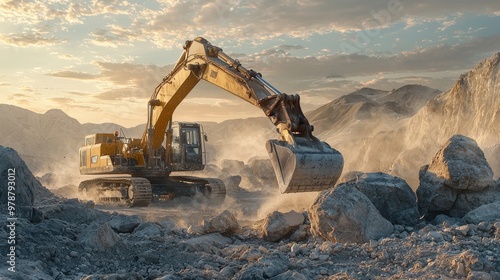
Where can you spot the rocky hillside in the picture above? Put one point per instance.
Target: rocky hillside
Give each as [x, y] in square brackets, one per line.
[366, 112]
[51, 140]
[470, 108]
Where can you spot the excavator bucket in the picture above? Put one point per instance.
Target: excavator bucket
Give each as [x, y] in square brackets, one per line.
[308, 166]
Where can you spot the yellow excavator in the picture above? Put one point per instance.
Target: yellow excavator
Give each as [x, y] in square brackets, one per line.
[302, 163]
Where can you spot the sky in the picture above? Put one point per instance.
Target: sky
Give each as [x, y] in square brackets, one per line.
[100, 61]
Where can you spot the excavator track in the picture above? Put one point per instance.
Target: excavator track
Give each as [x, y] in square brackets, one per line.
[207, 190]
[214, 191]
[131, 191]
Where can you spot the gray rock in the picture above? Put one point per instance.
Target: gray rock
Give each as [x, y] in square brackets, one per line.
[98, 236]
[479, 275]
[344, 214]
[224, 223]
[446, 220]
[277, 225]
[433, 195]
[462, 164]
[485, 213]
[289, 275]
[250, 273]
[213, 239]
[469, 201]
[228, 272]
[272, 267]
[17, 184]
[392, 196]
[124, 223]
[251, 255]
[458, 180]
[301, 234]
[147, 230]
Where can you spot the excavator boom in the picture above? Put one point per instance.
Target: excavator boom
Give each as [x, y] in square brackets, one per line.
[301, 161]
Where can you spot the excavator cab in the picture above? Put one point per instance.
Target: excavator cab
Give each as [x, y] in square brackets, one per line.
[187, 146]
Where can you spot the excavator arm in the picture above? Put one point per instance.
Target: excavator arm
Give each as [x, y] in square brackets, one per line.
[301, 162]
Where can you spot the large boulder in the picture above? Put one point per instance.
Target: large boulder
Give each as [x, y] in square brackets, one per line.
[344, 214]
[98, 236]
[224, 223]
[433, 196]
[147, 229]
[17, 184]
[277, 225]
[458, 180]
[462, 165]
[125, 223]
[392, 196]
[468, 201]
[485, 213]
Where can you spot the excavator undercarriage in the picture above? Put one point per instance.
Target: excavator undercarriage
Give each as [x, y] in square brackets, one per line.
[132, 192]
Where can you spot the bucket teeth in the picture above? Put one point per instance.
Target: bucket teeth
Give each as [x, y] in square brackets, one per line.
[310, 165]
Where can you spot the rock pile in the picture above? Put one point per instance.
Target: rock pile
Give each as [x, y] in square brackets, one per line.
[277, 225]
[392, 196]
[458, 180]
[356, 235]
[18, 185]
[344, 214]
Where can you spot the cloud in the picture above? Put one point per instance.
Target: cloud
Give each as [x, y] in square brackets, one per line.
[73, 75]
[119, 94]
[447, 23]
[28, 39]
[125, 80]
[166, 24]
[65, 56]
[255, 21]
[114, 36]
[142, 77]
[436, 58]
[62, 100]
[76, 93]
[63, 13]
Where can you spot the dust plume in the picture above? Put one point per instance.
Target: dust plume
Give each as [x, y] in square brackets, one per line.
[62, 178]
[285, 202]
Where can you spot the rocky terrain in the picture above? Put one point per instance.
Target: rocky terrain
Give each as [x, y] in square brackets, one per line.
[369, 227]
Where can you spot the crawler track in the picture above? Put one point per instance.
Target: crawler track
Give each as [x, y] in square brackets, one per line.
[131, 191]
[138, 191]
[215, 191]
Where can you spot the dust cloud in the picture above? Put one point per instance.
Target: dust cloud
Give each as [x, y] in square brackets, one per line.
[285, 202]
[62, 178]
